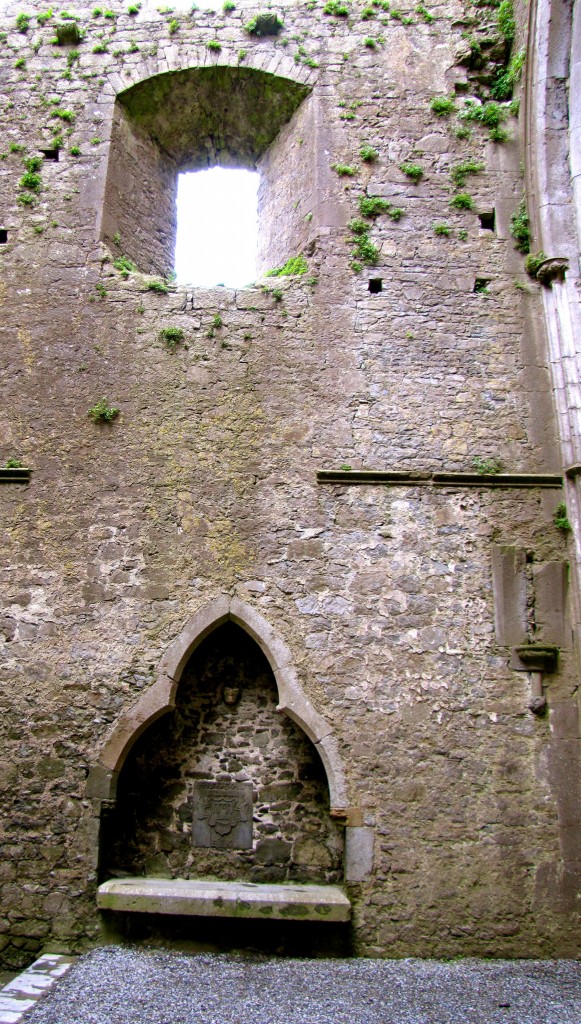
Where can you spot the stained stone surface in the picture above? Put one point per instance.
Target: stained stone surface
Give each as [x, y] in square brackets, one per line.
[225, 899]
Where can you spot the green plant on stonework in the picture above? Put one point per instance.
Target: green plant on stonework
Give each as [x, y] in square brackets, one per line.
[26, 199]
[228, 6]
[44, 16]
[358, 226]
[373, 206]
[442, 229]
[490, 114]
[125, 266]
[173, 26]
[99, 48]
[72, 56]
[533, 262]
[337, 9]
[425, 14]
[412, 171]
[505, 20]
[442, 106]
[253, 26]
[157, 286]
[367, 13]
[171, 337]
[364, 250]
[370, 43]
[100, 289]
[499, 135]
[462, 234]
[213, 44]
[217, 321]
[560, 519]
[133, 9]
[16, 147]
[22, 23]
[520, 228]
[462, 131]
[293, 267]
[102, 412]
[97, 12]
[462, 201]
[368, 154]
[20, 63]
[345, 467]
[95, 141]
[13, 463]
[64, 115]
[31, 181]
[459, 172]
[34, 163]
[395, 212]
[75, 151]
[486, 466]
[508, 77]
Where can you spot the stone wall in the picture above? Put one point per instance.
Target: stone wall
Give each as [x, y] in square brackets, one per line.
[205, 484]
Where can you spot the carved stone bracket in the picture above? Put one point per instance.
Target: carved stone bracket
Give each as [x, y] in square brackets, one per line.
[536, 659]
[552, 269]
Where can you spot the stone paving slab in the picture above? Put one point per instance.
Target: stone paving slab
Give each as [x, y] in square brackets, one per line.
[22, 992]
[120, 985]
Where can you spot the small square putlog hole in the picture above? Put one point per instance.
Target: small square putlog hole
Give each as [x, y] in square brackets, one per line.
[50, 154]
[375, 285]
[481, 285]
[487, 220]
[3, 236]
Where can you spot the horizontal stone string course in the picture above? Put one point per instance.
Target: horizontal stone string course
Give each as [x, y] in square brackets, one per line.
[415, 478]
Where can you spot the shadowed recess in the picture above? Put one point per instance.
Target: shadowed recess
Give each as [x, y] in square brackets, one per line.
[219, 115]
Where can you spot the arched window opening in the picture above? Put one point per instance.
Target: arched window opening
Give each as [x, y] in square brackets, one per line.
[217, 227]
[214, 117]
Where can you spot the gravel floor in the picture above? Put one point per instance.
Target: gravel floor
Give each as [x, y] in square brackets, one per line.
[118, 985]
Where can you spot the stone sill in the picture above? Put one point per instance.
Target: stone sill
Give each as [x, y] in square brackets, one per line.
[417, 478]
[225, 899]
[14, 476]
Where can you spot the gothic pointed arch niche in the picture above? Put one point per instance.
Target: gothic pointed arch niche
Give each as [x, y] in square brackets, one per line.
[224, 678]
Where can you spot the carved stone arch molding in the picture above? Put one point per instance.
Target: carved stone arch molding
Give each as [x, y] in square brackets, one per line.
[160, 698]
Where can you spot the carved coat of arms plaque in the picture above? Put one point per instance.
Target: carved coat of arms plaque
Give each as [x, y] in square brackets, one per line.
[223, 815]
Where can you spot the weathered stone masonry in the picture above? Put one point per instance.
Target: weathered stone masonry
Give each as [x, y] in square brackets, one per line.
[387, 613]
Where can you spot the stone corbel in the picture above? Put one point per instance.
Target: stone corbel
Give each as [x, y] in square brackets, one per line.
[536, 659]
[552, 269]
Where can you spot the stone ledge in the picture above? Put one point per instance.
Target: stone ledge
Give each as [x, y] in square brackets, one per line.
[14, 476]
[418, 478]
[224, 899]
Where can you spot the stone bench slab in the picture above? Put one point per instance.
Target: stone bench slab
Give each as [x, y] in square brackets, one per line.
[225, 899]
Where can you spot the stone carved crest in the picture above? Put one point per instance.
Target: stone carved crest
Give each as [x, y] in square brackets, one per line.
[223, 815]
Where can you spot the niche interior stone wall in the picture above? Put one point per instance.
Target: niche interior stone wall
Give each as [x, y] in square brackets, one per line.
[150, 832]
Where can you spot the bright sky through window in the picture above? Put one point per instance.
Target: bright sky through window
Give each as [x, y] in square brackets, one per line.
[216, 236]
